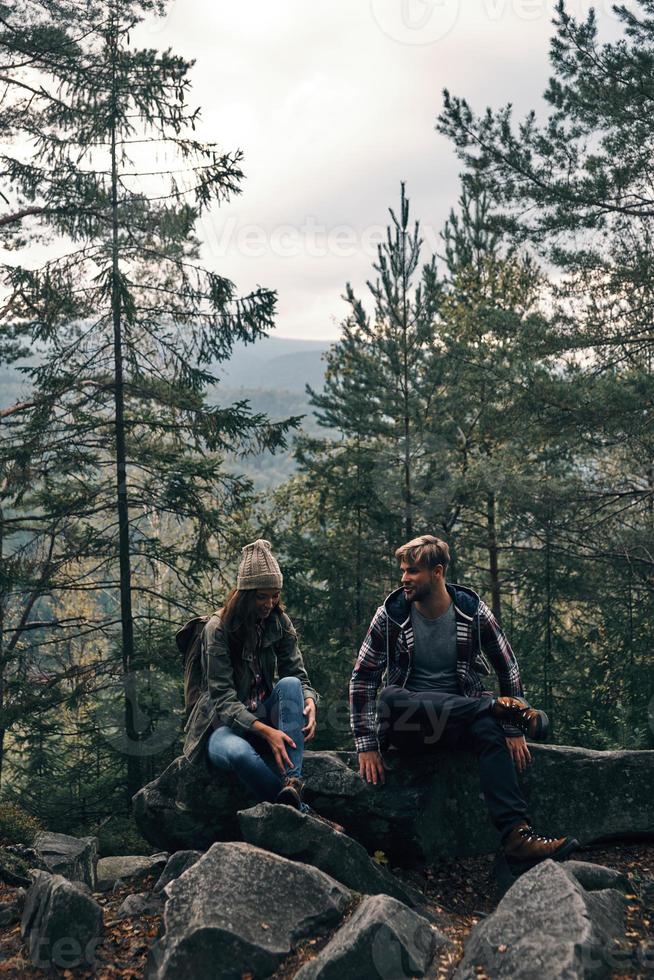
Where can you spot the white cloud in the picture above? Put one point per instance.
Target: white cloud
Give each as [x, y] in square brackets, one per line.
[334, 104]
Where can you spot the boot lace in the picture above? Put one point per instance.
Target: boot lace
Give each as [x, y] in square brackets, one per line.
[528, 834]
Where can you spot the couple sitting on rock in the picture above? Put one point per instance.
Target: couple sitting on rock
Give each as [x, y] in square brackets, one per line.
[431, 639]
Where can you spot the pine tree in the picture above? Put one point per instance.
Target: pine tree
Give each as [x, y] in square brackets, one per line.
[495, 342]
[364, 488]
[382, 376]
[577, 187]
[123, 322]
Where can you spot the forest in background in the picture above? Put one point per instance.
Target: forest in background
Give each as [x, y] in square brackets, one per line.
[499, 393]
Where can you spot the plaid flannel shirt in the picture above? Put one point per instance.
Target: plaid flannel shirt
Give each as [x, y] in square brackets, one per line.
[389, 646]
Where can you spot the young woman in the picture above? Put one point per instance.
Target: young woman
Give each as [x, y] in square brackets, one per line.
[244, 721]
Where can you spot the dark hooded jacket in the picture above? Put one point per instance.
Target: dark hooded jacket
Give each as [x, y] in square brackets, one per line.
[389, 649]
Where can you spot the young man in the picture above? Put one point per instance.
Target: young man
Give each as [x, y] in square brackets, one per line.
[430, 638]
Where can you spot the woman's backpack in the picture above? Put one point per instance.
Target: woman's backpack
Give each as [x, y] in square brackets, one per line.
[189, 644]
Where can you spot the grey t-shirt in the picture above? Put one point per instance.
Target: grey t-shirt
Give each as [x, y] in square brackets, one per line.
[434, 662]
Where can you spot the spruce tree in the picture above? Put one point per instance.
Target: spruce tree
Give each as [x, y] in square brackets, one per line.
[124, 323]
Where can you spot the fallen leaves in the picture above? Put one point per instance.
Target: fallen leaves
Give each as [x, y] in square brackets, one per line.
[121, 955]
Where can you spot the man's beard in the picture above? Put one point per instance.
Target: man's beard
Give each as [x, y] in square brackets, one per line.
[419, 592]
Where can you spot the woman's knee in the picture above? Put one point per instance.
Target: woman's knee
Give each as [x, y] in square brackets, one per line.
[227, 749]
[290, 687]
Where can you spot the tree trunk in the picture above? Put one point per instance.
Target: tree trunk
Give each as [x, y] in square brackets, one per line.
[2, 650]
[548, 616]
[493, 557]
[408, 502]
[127, 626]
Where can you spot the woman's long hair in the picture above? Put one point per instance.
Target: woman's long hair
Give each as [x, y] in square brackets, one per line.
[239, 618]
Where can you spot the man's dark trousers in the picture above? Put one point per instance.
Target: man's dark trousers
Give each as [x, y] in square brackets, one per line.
[421, 721]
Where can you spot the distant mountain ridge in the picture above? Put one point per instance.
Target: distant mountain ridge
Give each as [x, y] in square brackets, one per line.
[272, 364]
[271, 375]
[276, 363]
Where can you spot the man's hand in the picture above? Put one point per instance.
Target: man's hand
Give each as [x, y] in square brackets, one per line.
[519, 751]
[371, 767]
[310, 714]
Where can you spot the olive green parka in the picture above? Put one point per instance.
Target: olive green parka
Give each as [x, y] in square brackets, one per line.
[227, 678]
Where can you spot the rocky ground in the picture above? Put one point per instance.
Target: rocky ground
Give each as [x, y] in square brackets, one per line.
[459, 893]
[463, 892]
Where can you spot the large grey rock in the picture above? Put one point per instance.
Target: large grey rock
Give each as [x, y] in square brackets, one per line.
[591, 877]
[594, 877]
[61, 924]
[26, 854]
[75, 858]
[189, 807]
[15, 863]
[241, 909]
[128, 867]
[430, 806]
[175, 866]
[301, 837]
[383, 939]
[546, 925]
[141, 903]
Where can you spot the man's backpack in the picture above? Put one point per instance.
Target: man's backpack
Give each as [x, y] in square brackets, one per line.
[189, 644]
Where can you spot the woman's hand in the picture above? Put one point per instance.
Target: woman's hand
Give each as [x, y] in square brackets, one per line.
[278, 740]
[309, 729]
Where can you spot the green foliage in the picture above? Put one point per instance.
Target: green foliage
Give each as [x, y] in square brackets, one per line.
[469, 395]
[116, 505]
[13, 863]
[383, 377]
[119, 835]
[519, 465]
[576, 188]
[17, 826]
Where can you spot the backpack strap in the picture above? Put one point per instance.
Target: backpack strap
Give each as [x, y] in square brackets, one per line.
[188, 633]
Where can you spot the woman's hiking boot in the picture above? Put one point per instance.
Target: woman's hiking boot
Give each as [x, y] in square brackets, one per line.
[534, 723]
[524, 848]
[310, 812]
[291, 792]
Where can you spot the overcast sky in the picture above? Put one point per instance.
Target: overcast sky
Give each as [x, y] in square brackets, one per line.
[333, 103]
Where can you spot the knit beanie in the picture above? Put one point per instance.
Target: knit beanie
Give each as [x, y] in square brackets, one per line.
[259, 568]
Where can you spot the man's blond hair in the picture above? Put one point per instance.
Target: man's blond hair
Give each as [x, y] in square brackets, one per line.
[427, 550]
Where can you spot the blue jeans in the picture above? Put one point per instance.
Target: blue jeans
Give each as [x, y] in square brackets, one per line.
[240, 754]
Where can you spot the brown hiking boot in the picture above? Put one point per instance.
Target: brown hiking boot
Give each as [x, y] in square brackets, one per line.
[535, 724]
[523, 847]
[291, 792]
[310, 812]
